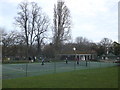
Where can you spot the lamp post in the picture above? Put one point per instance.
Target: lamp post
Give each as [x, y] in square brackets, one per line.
[74, 48]
[107, 52]
[75, 57]
[74, 51]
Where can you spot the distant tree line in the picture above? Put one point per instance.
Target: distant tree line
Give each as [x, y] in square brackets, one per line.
[34, 26]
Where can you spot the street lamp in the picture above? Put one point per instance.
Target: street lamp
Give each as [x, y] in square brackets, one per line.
[75, 57]
[107, 52]
[74, 51]
[74, 48]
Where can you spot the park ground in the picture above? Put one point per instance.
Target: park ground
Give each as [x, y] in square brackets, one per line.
[90, 78]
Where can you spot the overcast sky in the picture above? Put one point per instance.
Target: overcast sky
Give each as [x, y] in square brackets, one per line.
[93, 19]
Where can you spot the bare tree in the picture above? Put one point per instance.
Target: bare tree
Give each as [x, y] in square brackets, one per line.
[106, 43]
[23, 21]
[33, 23]
[42, 24]
[62, 24]
[83, 43]
[116, 48]
[82, 40]
[11, 42]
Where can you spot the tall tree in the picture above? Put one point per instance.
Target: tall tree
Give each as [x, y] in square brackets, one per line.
[33, 22]
[42, 24]
[62, 24]
[23, 21]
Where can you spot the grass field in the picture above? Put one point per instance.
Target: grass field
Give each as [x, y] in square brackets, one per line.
[89, 78]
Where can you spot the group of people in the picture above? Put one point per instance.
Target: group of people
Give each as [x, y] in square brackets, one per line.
[77, 60]
[33, 59]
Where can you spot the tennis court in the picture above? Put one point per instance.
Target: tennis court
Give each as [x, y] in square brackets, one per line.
[10, 71]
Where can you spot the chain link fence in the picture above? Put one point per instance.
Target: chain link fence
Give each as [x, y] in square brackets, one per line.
[33, 69]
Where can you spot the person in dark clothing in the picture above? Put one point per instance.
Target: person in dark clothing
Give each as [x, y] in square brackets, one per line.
[42, 61]
[66, 60]
[77, 60]
[30, 58]
[33, 58]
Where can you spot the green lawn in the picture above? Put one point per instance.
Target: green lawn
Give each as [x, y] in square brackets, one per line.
[90, 78]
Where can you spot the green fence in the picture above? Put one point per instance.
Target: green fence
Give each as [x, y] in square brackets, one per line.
[33, 69]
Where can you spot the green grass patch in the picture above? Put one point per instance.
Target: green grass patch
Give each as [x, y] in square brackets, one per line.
[90, 78]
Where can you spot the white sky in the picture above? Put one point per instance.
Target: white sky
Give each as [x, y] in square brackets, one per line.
[93, 19]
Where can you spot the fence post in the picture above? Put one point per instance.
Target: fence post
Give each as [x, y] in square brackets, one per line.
[100, 64]
[26, 69]
[75, 65]
[86, 63]
[54, 67]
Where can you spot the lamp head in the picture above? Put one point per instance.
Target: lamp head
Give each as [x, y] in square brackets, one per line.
[74, 48]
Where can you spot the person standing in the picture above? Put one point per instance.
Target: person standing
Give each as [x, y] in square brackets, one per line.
[66, 60]
[77, 60]
[33, 59]
[42, 61]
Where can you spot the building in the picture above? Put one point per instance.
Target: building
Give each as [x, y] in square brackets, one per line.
[109, 56]
[78, 56]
